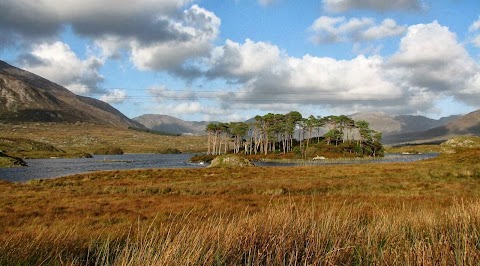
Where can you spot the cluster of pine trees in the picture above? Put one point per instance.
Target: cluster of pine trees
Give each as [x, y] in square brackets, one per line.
[289, 132]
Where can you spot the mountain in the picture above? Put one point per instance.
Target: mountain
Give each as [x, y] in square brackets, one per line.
[26, 97]
[468, 124]
[172, 125]
[412, 123]
[379, 122]
[394, 125]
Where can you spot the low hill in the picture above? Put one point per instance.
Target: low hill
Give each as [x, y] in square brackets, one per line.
[172, 125]
[26, 97]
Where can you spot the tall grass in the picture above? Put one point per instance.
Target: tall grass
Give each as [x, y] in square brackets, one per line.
[283, 234]
[425, 213]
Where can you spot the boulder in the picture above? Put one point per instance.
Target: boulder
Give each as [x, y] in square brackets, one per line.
[230, 161]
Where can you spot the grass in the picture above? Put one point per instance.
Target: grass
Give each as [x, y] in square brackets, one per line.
[426, 212]
[76, 139]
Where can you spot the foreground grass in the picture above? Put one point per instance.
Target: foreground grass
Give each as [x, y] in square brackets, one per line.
[419, 213]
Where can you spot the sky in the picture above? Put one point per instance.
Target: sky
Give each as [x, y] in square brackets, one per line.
[229, 60]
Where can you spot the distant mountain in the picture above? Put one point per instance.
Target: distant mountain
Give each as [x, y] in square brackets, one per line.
[172, 125]
[468, 124]
[412, 123]
[379, 122]
[26, 97]
[394, 125]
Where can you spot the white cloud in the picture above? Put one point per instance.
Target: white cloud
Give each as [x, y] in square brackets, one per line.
[388, 28]
[431, 57]
[158, 35]
[476, 41]
[377, 5]
[430, 64]
[338, 29]
[115, 96]
[475, 26]
[58, 63]
[202, 28]
[243, 61]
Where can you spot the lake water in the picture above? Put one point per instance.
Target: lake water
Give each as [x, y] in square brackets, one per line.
[51, 168]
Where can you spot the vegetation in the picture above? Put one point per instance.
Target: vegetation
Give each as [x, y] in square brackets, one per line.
[277, 133]
[79, 139]
[152, 131]
[10, 161]
[109, 151]
[426, 212]
[228, 161]
[170, 151]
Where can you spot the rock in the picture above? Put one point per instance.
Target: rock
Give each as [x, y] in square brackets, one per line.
[230, 161]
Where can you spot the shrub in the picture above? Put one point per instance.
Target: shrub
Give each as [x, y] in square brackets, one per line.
[170, 151]
[109, 151]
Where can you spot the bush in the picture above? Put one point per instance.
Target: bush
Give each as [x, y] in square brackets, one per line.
[202, 158]
[109, 151]
[170, 151]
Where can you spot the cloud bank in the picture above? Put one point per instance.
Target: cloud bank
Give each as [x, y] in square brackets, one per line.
[181, 38]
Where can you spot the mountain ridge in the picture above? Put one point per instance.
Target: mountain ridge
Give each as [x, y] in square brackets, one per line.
[172, 125]
[468, 124]
[26, 97]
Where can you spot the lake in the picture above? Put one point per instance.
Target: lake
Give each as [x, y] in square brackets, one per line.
[52, 168]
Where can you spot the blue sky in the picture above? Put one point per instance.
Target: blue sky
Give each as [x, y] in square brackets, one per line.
[230, 60]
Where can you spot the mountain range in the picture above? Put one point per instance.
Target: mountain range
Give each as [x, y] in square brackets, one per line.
[396, 129]
[26, 97]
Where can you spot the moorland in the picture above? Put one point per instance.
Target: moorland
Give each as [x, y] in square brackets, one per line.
[427, 212]
[45, 140]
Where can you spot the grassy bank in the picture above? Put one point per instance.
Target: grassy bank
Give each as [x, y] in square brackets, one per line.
[425, 212]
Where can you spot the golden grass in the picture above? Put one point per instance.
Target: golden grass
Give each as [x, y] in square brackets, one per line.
[426, 213]
[86, 137]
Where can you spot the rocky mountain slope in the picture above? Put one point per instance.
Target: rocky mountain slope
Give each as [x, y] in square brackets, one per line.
[172, 125]
[26, 97]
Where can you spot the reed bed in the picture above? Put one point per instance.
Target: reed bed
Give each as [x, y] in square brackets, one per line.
[288, 233]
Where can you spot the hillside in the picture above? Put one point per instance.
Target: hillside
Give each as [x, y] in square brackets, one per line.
[79, 138]
[172, 125]
[468, 124]
[401, 124]
[26, 97]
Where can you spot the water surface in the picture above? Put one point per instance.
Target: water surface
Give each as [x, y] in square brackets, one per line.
[52, 168]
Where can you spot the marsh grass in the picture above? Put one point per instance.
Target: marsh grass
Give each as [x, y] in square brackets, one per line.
[422, 213]
[289, 233]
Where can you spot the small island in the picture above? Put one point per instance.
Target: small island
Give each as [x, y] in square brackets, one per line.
[291, 136]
